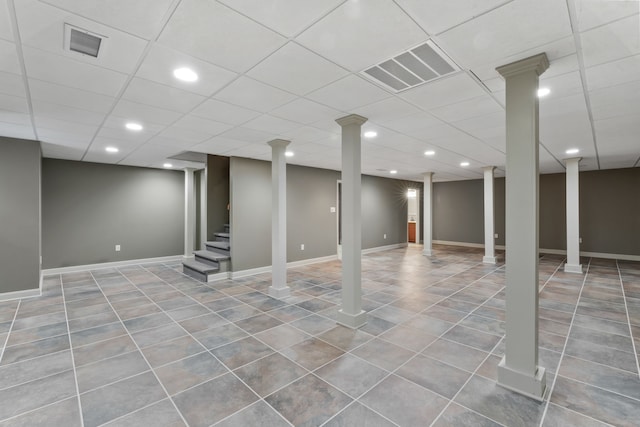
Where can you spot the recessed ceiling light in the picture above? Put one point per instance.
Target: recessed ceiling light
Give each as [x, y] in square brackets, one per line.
[185, 74]
[464, 164]
[543, 91]
[572, 151]
[167, 165]
[111, 150]
[370, 134]
[393, 172]
[133, 126]
[288, 153]
[429, 153]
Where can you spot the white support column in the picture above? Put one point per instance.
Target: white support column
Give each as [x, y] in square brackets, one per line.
[573, 216]
[350, 313]
[203, 208]
[428, 213]
[278, 288]
[189, 212]
[489, 227]
[519, 370]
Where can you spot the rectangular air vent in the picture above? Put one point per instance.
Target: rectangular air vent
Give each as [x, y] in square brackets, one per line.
[412, 68]
[82, 41]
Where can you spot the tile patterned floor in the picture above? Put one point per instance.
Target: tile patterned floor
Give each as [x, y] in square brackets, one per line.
[146, 345]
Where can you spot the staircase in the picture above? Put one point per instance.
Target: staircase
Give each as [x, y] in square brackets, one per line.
[207, 264]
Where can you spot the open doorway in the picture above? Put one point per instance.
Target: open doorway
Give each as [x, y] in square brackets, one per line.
[339, 217]
[413, 216]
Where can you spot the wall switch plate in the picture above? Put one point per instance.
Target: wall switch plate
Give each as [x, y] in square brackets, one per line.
[384, 236]
[495, 236]
[117, 248]
[302, 247]
[581, 240]
[332, 209]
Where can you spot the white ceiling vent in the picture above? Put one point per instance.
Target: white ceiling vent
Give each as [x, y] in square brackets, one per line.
[412, 68]
[82, 41]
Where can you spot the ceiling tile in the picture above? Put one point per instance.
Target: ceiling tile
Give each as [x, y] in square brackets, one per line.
[6, 29]
[142, 18]
[61, 70]
[182, 137]
[249, 93]
[159, 64]
[249, 135]
[54, 151]
[218, 145]
[288, 17]
[303, 111]
[611, 42]
[15, 118]
[445, 91]
[212, 32]
[562, 85]
[489, 121]
[42, 27]
[349, 93]
[614, 73]
[615, 101]
[507, 30]
[144, 114]
[16, 104]
[435, 16]
[414, 122]
[593, 13]
[70, 97]
[13, 130]
[308, 134]
[474, 107]
[202, 125]
[9, 58]
[161, 96]
[271, 124]
[296, 69]
[74, 128]
[12, 84]
[223, 112]
[376, 30]
[387, 110]
[68, 114]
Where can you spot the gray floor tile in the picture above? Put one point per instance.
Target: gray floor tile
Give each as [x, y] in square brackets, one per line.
[161, 414]
[115, 400]
[33, 349]
[214, 400]
[404, 402]
[351, 375]
[312, 353]
[185, 373]
[561, 417]
[456, 354]
[33, 369]
[473, 338]
[158, 335]
[222, 335]
[100, 333]
[110, 370]
[434, 375]
[258, 415]
[241, 352]
[63, 413]
[383, 354]
[270, 373]
[282, 336]
[308, 402]
[345, 338]
[170, 351]
[103, 349]
[314, 324]
[357, 415]
[456, 415]
[38, 333]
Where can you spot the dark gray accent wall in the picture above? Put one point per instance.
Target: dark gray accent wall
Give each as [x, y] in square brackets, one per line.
[553, 212]
[88, 208]
[311, 192]
[458, 211]
[217, 194]
[610, 211]
[499, 210]
[20, 168]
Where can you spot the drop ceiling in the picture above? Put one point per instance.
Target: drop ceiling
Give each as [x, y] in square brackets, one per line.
[288, 68]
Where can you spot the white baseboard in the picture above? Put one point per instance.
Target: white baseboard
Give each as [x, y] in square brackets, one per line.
[27, 293]
[384, 248]
[465, 244]
[250, 272]
[74, 268]
[218, 276]
[312, 261]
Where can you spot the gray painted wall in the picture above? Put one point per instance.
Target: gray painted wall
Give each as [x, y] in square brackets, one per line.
[458, 211]
[217, 194]
[20, 168]
[311, 192]
[553, 212]
[88, 208]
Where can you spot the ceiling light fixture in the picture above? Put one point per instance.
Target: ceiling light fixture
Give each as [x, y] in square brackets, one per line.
[572, 151]
[429, 153]
[393, 172]
[543, 91]
[370, 134]
[464, 164]
[133, 126]
[288, 153]
[185, 74]
[167, 165]
[111, 149]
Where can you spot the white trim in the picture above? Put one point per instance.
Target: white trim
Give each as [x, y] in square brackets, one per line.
[466, 244]
[218, 276]
[250, 272]
[312, 261]
[74, 268]
[27, 293]
[384, 248]
[573, 268]
[623, 257]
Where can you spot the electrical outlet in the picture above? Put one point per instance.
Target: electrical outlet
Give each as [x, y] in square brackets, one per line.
[581, 240]
[302, 247]
[117, 248]
[495, 236]
[384, 236]
[332, 209]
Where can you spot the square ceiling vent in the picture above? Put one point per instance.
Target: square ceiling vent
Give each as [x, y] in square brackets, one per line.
[412, 68]
[83, 41]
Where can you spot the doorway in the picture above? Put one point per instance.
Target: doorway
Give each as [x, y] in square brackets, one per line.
[413, 216]
[339, 217]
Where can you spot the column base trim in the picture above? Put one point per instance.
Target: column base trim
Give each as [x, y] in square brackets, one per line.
[427, 252]
[573, 268]
[489, 259]
[353, 321]
[279, 293]
[533, 387]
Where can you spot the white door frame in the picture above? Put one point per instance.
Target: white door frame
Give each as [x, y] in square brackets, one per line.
[338, 216]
